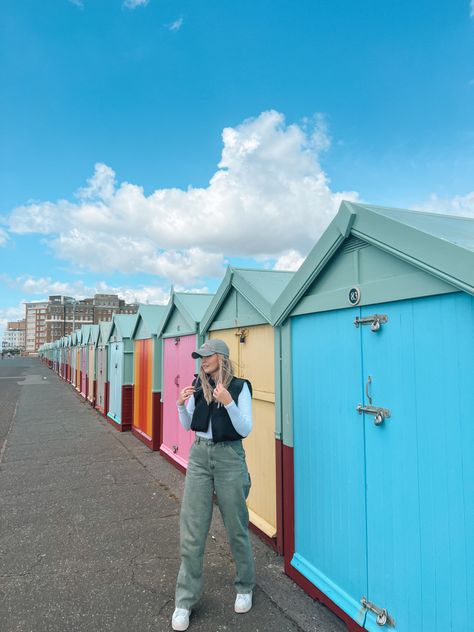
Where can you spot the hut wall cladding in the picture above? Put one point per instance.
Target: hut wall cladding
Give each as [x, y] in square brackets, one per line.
[101, 378]
[127, 406]
[404, 486]
[91, 373]
[78, 368]
[84, 370]
[178, 372]
[115, 381]
[254, 360]
[143, 396]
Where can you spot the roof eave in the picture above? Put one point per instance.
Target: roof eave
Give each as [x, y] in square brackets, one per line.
[338, 230]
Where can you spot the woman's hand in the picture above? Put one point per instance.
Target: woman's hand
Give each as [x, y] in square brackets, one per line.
[185, 395]
[222, 395]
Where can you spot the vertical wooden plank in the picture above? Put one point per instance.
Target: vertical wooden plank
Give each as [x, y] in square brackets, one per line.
[137, 383]
[254, 360]
[170, 371]
[148, 370]
[329, 472]
[257, 365]
[420, 470]
[186, 371]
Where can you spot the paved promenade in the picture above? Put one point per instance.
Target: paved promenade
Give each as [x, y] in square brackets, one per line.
[89, 528]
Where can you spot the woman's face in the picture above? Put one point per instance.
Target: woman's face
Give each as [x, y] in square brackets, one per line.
[210, 364]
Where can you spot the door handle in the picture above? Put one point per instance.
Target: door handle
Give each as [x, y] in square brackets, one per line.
[367, 386]
[176, 380]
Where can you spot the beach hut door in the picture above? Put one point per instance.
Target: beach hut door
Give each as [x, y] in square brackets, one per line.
[421, 370]
[116, 373]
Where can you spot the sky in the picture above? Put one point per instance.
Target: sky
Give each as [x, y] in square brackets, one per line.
[146, 144]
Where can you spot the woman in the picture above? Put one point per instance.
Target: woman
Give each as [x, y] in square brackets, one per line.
[218, 407]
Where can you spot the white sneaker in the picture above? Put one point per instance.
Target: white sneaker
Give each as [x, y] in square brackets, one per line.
[180, 620]
[243, 602]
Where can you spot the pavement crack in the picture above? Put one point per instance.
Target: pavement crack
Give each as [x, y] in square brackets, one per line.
[4, 446]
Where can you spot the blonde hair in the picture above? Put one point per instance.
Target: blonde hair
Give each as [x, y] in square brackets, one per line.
[224, 377]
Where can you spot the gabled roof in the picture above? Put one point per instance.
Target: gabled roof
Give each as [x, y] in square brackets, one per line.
[261, 288]
[124, 324]
[93, 336]
[191, 305]
[441, 245]
[104, 330]
[85, 331]
[152, 317]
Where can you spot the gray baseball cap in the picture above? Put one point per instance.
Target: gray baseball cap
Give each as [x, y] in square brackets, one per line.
[210, 347]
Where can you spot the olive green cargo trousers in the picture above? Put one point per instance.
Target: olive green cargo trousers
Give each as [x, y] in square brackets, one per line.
[220, 468]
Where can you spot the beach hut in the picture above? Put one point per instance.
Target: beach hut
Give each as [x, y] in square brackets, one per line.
[120, 371]
[69, 357]
[180, 333]
[57, 347]
[377, 395]
[62, 364]
[102, 390]
[92, 363]
[240, 314]
[64, 340]
[74, 370]
[85, 330]
[78, 360]
[147, 407]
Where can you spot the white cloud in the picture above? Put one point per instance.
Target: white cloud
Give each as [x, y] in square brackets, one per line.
[471, 13]
[462, 205]
[133, 4]
[3, 237]
[42, 287]
[268, 196]
[176, 25]
[78, 3]
[290, 260]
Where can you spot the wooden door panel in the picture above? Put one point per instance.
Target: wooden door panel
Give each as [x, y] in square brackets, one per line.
[329, 469]
[420, 472]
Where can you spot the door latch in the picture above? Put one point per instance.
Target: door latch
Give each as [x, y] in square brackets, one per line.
[375, 321]
[175, 449]
[380, 413]
[383, 618]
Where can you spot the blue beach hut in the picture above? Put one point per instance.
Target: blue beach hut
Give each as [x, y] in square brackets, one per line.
[377, 397]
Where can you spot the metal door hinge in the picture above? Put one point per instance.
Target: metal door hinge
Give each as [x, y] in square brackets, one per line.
[383, 618]
[375, 321]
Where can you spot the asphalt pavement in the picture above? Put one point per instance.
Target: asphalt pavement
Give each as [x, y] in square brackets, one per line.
[89, 528]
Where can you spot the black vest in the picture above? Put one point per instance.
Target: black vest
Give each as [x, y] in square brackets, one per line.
[222, 428]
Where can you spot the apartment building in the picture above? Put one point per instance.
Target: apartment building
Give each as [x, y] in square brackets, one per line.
[61, 315]
[14, 335]
[35, 333]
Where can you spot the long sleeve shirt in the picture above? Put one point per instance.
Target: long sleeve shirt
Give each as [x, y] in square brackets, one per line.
[240, 414]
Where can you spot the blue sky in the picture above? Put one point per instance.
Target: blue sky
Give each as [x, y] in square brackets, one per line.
[150, 143]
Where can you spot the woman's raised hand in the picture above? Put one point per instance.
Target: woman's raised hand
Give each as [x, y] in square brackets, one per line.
[222, 395]
[185, 395]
